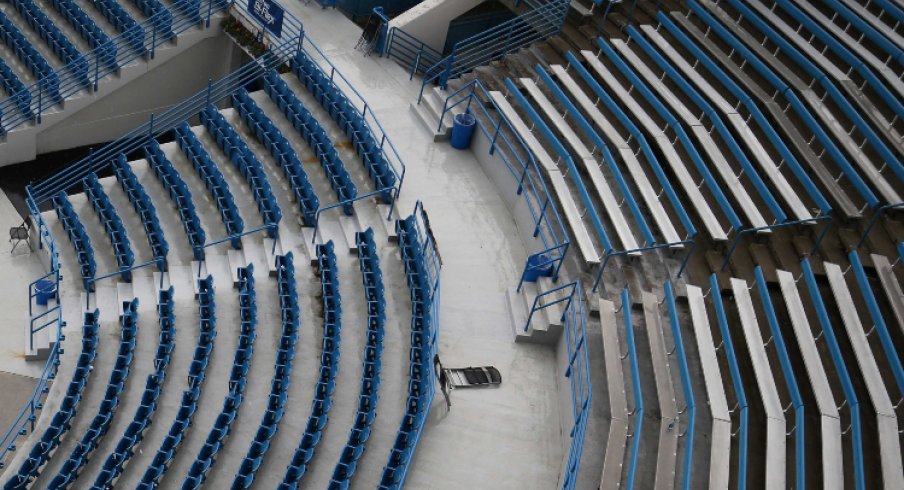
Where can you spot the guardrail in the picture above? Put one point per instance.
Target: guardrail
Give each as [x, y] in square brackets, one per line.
[543, 20]
[548, 224]
[140, 42]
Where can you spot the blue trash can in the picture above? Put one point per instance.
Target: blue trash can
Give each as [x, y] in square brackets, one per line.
[535, 269]
[44, 290]
[463, 130]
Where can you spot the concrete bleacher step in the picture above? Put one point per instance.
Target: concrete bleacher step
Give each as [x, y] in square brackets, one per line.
[309, 245]
[429, 110]
[389, 224]
[38, 348]
[236, 260]
[197, 270]
[350, 226]
[124, 294]
[271, 251]
[542, 329]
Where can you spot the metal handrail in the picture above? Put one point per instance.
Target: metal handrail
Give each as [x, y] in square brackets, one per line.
[70, 83]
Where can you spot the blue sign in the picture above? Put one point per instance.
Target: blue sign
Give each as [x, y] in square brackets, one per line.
[269, 14]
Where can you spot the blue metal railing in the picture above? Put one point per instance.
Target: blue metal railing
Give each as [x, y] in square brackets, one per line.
[735, 371]
[406, 49]
[790, 379]
[70, 83]
[547, 222]
[543, 20]
[577, 370]
[691, 405]
[852, 402]
[635, 388]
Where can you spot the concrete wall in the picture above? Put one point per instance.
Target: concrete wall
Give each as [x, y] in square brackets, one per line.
[429, 21]
[156, 91]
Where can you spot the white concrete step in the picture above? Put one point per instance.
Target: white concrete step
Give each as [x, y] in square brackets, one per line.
[308, 244]
[389, 224]
[271, 251]
[124, 294]
[236, 260]
[349, 226]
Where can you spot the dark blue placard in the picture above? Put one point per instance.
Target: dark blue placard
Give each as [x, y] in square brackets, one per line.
[269, 14]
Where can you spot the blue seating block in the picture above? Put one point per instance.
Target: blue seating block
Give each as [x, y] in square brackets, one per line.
[143, 206]
[180, 194]
[112, 224]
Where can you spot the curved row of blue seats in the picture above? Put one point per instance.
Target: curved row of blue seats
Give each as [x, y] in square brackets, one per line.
[131, 30]
[281, 150]
[791, 97]
[99, 41]
[420, 383]
[134, 433]
[687, 144]
[122, 249]
[60, 423]
[180, 194]
[318, 139]
[739, 93]
[372, 277]
[143, 206]
[12, 85]
[199, 469]
[83, 451]
[329, 368]
[54, 37]
[78, 236]
[727, 136]
[163, 18]
[189, 403]
[247, 164]
[213, 180]
[282, 371]
[888, 156]
[349, 119]
[27, 54]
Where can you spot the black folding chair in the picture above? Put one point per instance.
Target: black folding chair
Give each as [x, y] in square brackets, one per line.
[19, 234]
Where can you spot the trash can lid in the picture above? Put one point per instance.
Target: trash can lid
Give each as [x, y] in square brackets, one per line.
[465, 119]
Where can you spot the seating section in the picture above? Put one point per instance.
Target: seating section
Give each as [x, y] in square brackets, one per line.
[329, 368]
[311, 130]
[130, 441]
[213, 179]
[222, 426]
[247, 164]
[349, 119]
[279, 147]
[143, 206]
[61, 422]
[82, 452]
[189, 403]
[86, 27]
[191, 9]
[11, 84]
[78, 236]
[41, 70]
[372, 277]
[279, 386]
[128, 28]
[163, 18]
[51, 34]
[180, 194]
[122, 249]
[420, 384]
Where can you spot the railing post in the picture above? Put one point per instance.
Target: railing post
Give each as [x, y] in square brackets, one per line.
[96, 70]
[209, 13]
[447, 72]
[154, 36]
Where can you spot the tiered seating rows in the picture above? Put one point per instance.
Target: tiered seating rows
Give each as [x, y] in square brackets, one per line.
[189, 404]
[311, 130]
[123, 22]
[420, 384]
[246, 163]
[143, 206]
[372, 277]
[83, 451]
[238, 375]
[164, 20]
[180, 194]
[329, 368]
[279, 147]
[51, 34]
[60, 424]
[213, 179]
[77, 236]
[346, 115]
[104, 47]
[27, 54]
[14, 87]
[116, 231]
[279, 385]
[134, 434]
